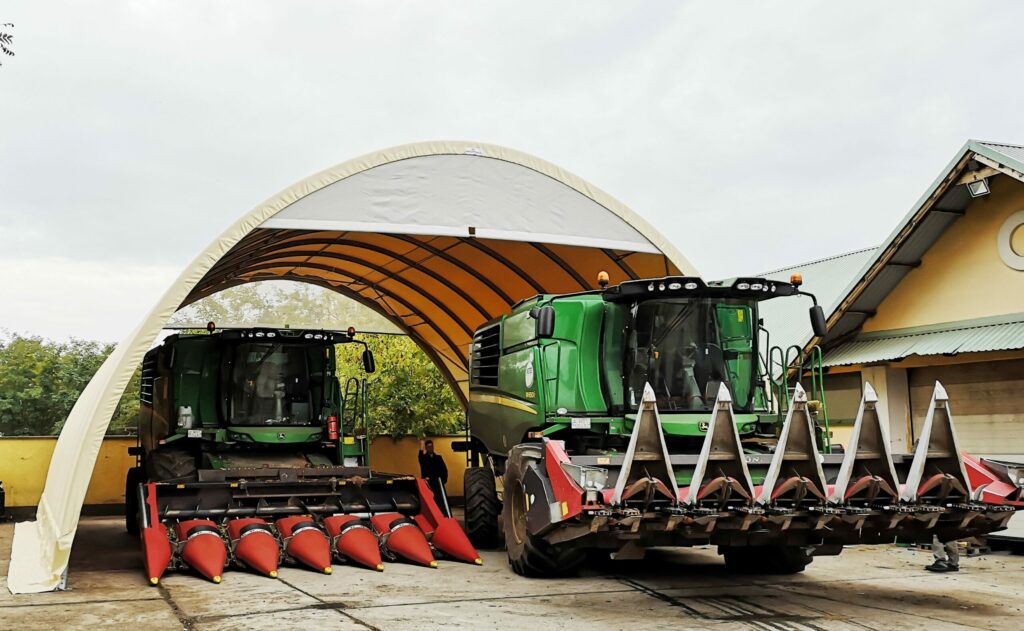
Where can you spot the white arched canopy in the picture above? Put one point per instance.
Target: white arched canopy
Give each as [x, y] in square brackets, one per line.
[438, 237]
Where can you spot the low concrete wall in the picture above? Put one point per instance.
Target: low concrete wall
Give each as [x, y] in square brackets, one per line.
[25, 461]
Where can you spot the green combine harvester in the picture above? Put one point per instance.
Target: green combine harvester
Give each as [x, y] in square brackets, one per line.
[643, 415]
[245, 398]
[251, 453]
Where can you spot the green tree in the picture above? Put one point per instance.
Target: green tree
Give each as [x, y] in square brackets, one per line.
[407, 394]
[279, 304]
[40, 380]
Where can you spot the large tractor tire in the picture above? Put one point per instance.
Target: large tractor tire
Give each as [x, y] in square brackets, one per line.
[527, 554]
[132, 481]
[168, 463]
[483, 510]
[766, 559]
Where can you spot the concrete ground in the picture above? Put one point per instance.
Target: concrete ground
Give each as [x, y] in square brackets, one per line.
[865, 588]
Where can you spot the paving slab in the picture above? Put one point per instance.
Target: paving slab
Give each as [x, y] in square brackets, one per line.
[877, 588]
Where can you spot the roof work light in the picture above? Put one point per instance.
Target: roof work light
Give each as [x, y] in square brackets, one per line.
[978, 188]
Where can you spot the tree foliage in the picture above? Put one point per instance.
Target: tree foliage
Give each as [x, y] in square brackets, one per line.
[279, 304]
[407, 394]
[40, 380]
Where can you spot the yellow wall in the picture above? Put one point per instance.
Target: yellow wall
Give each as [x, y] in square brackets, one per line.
[398, 455]
[961, 277]
[25, 461]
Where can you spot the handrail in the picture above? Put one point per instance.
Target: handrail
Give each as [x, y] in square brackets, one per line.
[782, 361]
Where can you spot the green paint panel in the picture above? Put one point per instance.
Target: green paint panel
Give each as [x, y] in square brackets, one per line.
[276, 435]
[578, 371]
[195, 379]
[519, 328]
[736, 332]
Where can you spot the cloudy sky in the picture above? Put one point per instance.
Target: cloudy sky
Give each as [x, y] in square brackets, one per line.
[753, 134]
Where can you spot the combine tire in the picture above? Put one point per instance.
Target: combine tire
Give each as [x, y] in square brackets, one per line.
[483, 510]
[170, 464]
[766, 559]
[527, 554]
[132, 481]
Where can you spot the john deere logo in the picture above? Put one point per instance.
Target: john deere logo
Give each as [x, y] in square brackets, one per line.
[281, 435]
[703, 426]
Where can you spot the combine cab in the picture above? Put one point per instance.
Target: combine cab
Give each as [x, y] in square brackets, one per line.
[250, 455]
[638, 415]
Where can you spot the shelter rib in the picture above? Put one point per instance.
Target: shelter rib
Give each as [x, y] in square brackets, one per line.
[377, 288]
[512, 267]
[260, 256]
[565, 266]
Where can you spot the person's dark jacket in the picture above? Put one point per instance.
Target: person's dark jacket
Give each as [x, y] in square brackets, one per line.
[432, 466]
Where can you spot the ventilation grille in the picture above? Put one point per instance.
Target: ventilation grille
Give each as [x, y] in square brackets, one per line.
[484, 360]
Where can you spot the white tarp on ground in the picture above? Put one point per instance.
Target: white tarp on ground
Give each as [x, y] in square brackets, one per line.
[449, 190]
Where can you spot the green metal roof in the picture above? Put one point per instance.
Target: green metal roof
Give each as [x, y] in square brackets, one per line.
[998, 333]
[1008, 155]
[787, 320]
[834, 280]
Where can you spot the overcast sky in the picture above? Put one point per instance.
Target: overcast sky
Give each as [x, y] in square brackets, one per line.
[753, 134]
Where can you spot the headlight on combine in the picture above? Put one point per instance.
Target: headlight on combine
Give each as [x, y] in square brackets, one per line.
[592, 479]
[1016, 475]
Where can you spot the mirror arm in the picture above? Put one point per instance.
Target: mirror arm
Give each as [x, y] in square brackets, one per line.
[813, 298]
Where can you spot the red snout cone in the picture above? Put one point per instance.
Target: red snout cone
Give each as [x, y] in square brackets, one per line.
[156, 549]
[255, 544]
[355, 540]
[204, 550]
[305, 542]
[403, 537]
[450, 539]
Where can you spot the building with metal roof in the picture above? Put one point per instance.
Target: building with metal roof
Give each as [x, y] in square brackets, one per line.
[941, 299]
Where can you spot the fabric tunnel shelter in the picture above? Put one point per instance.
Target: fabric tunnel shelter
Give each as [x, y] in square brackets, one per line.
[438, 237]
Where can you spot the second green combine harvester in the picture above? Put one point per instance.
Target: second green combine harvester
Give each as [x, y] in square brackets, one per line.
[638, 415]
[251, 453]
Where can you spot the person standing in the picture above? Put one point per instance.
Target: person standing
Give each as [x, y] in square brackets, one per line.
[435, 472]
[947, 556]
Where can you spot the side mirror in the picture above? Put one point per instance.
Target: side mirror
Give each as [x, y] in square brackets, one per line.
[369, 363]
[545, 320]
[818, 324]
